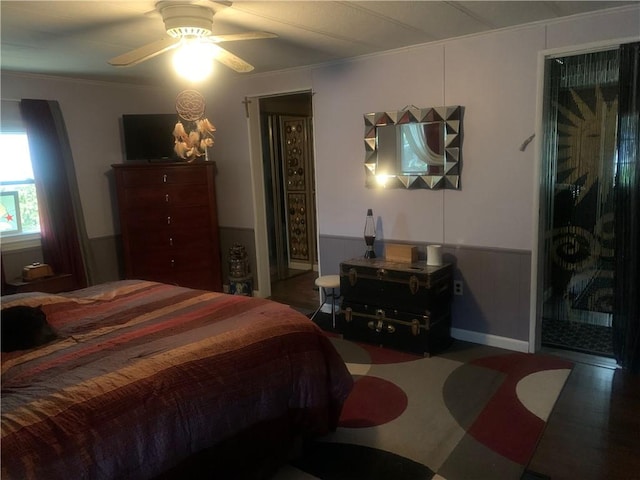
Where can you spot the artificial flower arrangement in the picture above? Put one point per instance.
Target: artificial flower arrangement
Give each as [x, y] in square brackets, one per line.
[193, 144]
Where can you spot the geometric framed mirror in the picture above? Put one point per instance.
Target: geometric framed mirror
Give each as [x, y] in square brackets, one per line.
[414, 148]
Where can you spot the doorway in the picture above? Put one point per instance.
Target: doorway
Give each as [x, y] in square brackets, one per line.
[579, 163]
[286, 123]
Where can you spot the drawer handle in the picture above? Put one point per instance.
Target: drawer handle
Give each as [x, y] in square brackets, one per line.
[415, 327]
[171, 241]
[166, 197]
[380, 273]
[348, 314]
[381, 327]
[169, 220]
[353, 276]
[414, 284]
[173, 263]
[164, 178]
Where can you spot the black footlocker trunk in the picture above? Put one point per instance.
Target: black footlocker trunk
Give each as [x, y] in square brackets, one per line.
[397, 305]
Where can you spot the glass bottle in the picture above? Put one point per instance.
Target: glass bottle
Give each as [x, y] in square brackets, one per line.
[369, 234]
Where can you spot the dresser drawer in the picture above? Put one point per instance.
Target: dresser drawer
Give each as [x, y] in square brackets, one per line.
[423, 334]
[204, 279]
[200, 279]
[166, 195]
[174, 218]
[382, 271]
[170, 239]
[153, 262]
[169, 175]
[413, 287]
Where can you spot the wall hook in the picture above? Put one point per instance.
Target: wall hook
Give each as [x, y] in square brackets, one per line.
[526, 142]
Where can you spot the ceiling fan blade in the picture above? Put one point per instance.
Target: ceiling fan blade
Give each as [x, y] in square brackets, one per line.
[234, 37]
[232, 61]
[145, 52]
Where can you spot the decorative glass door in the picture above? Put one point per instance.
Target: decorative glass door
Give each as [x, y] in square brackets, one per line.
[299, 191]
[579, 161]
[290, 190]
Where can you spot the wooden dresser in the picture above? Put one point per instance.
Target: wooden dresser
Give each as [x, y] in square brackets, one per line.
[169, 223]
[406, 306]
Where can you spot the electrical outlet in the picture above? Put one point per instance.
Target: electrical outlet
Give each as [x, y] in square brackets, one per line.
[457, 287]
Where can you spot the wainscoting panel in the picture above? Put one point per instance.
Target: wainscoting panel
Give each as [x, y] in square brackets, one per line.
[14, 260]
[107, 259]
[496, 284]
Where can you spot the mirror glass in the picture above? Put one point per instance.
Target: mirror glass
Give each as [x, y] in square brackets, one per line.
[413, 148]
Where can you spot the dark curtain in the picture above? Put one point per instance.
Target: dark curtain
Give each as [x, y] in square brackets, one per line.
[626, 316]
[64, 238]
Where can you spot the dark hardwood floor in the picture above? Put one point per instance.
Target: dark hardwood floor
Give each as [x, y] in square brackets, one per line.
[593, 432]
[298, 291]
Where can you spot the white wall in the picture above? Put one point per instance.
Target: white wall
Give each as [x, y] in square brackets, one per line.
[92, 112]
[494, 76]
[231, 150]
[343, 94]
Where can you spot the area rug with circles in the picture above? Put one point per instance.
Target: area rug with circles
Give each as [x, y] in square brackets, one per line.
[471, 412]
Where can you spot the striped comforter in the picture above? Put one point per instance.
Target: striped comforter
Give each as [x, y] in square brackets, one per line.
[146, 374]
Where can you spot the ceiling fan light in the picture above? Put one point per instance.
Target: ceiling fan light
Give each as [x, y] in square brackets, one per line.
[193, 61]
[180, 32]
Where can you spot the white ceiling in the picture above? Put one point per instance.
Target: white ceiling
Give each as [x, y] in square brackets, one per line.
[78, 38]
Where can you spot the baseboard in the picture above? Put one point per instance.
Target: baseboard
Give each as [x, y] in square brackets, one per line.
[302, 266]
[490, 340]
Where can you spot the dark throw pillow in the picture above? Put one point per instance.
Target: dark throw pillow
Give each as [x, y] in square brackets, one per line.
[24, 328]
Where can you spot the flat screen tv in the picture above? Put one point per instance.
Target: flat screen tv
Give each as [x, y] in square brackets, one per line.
[149, 137]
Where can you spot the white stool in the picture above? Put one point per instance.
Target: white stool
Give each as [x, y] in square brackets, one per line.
[325, 283]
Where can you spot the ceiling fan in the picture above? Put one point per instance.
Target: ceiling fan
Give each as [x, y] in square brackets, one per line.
[188, 23]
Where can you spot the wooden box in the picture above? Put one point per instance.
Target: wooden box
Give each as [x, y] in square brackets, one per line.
[394, 252]
[36, 271]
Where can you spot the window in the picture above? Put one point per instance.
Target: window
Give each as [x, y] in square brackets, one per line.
[19, 220]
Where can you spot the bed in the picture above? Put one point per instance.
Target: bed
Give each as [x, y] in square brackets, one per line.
[149, 380]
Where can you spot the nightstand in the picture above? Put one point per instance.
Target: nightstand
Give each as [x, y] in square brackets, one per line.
[53, 284]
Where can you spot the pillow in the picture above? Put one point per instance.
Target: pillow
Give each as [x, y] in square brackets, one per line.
[24, 327]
